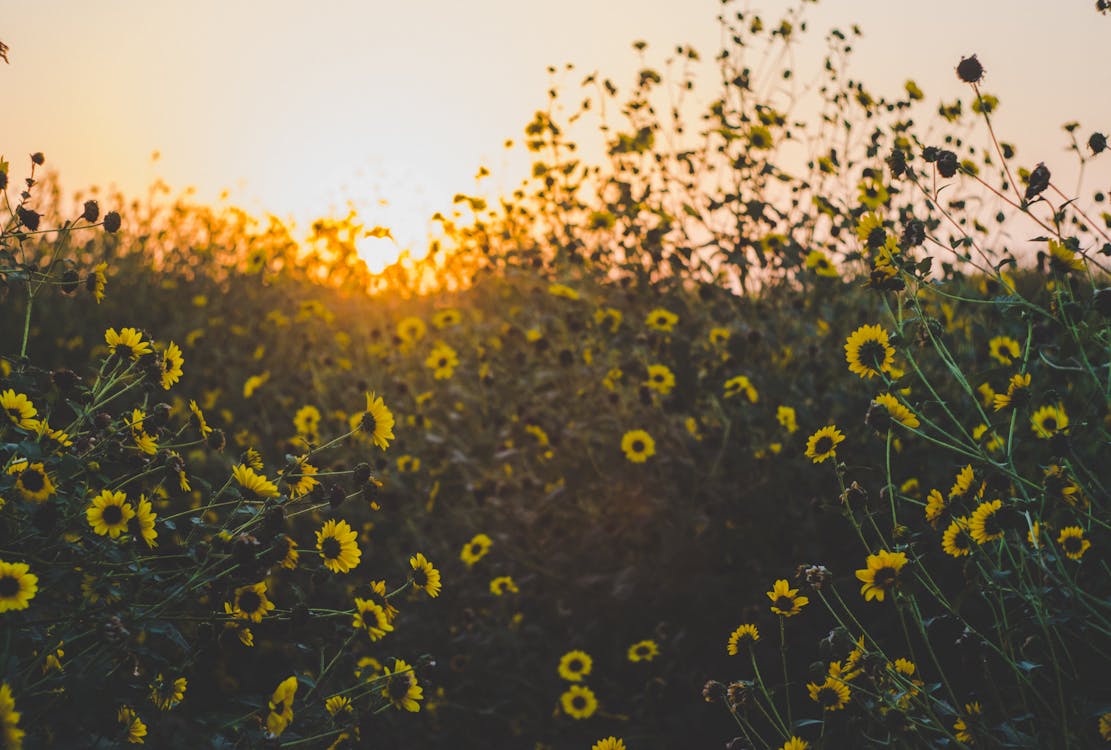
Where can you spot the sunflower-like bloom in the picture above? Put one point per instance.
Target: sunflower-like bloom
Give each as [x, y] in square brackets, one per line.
[819, 263]
[984, 525]
[254, 382]
[97, 281]
[253, 483]
[897, 411]
[660, 379]
[638, 446]
[831, 695]
[18, 409]
[109, 513]
[823, 444]
[869, 352]
[503, 585]
[133, 726]
[338, 547]
[142, 525]
[1062, 259]
[609, 743]
[661, 320]
[10, 734]
[1004, 349]
[281, 706]
[144, 441]
[1049, 421]
[745, 634]
[795, 743]
[741, 384]
[127, 344]
[476, 549]
[957, 540]
[425, 577]
[935, 507]
[199, 420]
[401, 687]
[376, 422]
[1073, 543]
[963, 725]
[786, 601]
[1105, 726]
[871, 231]
[307, 421]
[787, 418]
[1018, 390]
[18, 586]
[574, 665]
[302, 479]
[881, 575]
[442, 360]
[579, 702]
[337, 703]
[378, 596]
[372, 618]
[645, 650]
[31, 479]
[172, 362]
[411, 330]
[166, 694]
[251, 602]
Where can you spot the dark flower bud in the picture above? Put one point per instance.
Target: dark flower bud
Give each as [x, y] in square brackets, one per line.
[244, 548]
[739, 693]
[970, 70]
[930, 154]
[70, 280]
[102, 421]
[112, 222]
[38, 159]
[160, 415]
[360, 474]
[877, 417]
[897, 162]
[914, 234]
[947, 163]
[1097, 142]
[336, 496]
[273, 521]
[217, 440]
[3, 180]
[1039, 181]
[65, 379]
[91, 212]
[28, 218]
[713, 691]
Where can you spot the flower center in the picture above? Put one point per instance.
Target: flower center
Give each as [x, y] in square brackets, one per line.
[9, 587]
[32, 480]
[399, 685]
[112, 515]
[368, 422]
[885, 577]
[1072, 544]
[784, 603]
[578, 703]
[823, 445]
[250, 601]
[877, 237]
[638, 446]
[872, 354]
[331, 548]
[420, 577]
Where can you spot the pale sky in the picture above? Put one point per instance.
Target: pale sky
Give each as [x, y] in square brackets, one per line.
[298, 107]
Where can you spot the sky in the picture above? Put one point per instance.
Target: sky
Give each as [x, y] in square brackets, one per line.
[300, 109]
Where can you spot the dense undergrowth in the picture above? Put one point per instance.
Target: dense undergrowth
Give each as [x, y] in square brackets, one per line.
[790, 415]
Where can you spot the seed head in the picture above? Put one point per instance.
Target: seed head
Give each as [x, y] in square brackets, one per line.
[970, 70]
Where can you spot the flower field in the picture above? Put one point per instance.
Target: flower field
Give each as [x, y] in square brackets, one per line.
[787, 428]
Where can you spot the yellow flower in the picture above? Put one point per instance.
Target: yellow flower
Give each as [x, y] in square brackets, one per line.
[167, 694]
[638, 446]
[254, 382]
[447, 318]
[741, 384]
[476, 549]
[785, 600]
[661, 320]
[574, 665]
[251, 602]
[442, 361]
[962, 726]
[831, 695]
[128, 343]
[18, 586]
[31, 479]
[281, 706]
[746, 633]
[1072, 541]
[301, 477]
[579, 702]
[337, 703]
[10, 733]
[109, 513]
[660, 378]
[561, 290]
[869, 352]
[411, 330]
[957, 540]
[97, 281]
[609, 743]
[1049, 421]
[172, 362]
[401, 687]
[338, 548]
[897, 410]
[795, 744]
[425, 576]
[881, 575]
[18, 409]
[823, 444]
[142, 526]
[1004, 349]
[645, 650]
[1062, 259]
[786, 417]
[819, 263]
[984, 525]
[134, 727]
[371, 617]
[376, 422]
[502, 585]
[252, 483]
